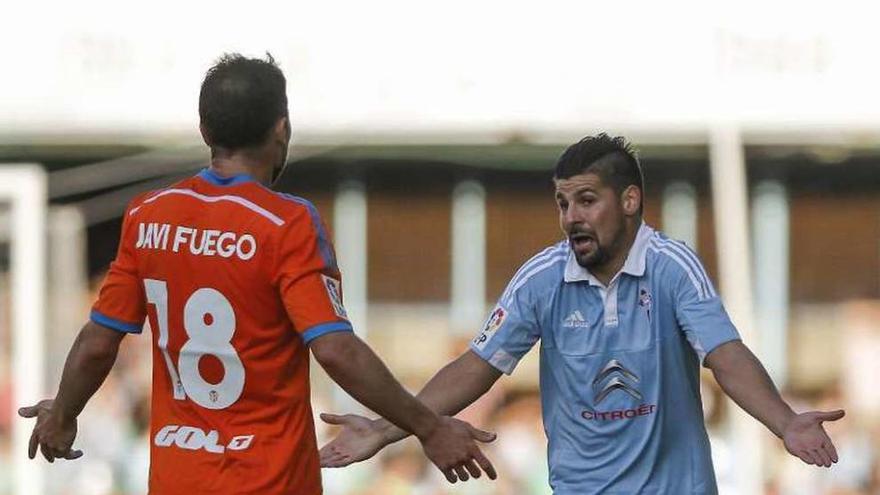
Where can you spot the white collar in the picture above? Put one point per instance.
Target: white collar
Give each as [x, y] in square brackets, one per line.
[634, 264]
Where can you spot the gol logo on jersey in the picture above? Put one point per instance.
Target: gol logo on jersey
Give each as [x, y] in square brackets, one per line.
[192, 438]
[496, 319]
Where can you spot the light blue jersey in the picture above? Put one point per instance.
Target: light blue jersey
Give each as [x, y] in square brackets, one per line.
[620, 383]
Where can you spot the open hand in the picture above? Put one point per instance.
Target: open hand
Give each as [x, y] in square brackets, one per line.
[805, 438]
[51, 434]
[359, 440]
[452, 448]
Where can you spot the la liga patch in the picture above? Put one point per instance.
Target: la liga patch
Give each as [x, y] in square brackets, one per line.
[334, 292]
[496, 319]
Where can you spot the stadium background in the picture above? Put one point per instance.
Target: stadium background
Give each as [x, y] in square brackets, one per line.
[425, 138]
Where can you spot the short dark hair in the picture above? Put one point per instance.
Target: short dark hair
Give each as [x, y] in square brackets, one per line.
[241, 99]
[613, 159]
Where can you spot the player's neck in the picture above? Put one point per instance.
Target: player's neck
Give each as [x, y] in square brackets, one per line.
[230, 163]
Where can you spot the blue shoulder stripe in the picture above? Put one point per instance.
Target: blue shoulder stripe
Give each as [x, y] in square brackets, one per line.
[323, 241]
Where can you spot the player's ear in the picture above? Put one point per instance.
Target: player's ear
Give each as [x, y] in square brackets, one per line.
[281, 131]
[631, 200]
[205, 137]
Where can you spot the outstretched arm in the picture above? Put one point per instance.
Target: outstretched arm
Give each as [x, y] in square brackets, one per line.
[88, 364]
[453, 388]
[449, 443]
[456, 386]
[744, 379]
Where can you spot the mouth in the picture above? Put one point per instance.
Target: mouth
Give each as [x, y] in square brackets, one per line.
[582, 242]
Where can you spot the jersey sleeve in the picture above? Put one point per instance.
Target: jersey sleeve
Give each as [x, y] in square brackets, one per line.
[699, 310]
[309, 280]
[511, 329]
[121, 303]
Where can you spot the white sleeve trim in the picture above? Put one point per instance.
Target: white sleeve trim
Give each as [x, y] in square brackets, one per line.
[504, 361]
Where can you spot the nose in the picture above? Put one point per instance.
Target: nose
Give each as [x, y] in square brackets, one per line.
[570, 217]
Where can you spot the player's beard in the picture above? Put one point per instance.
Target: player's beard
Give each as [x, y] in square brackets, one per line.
[598, 257]
[601, 253]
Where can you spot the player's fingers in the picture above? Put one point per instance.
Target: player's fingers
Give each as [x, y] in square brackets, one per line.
[46, 452]
[73, 454]
[335, 419]
[823, 458]
[339, 459]
[830, 415]
[32, 445]
[326, 452]
[58, 453]
[336, 462]
[461, 472]
[472, 468]
[485, 464]
[807, 457]
[327, 460]
[482, 435]
[28, 411]
[330, 450]
[829, 448]
[450, 475]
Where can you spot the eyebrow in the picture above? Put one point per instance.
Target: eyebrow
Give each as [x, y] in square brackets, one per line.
[580, 191]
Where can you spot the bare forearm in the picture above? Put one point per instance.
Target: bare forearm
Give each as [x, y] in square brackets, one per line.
[361, 373]
[88, 363]
[456, 386]
[744, 379]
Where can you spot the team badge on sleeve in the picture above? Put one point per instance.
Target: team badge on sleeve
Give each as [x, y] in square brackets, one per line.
[496, 319]
[334, 291]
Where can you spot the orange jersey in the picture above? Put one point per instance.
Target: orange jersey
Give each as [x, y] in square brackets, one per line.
[236, 280]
